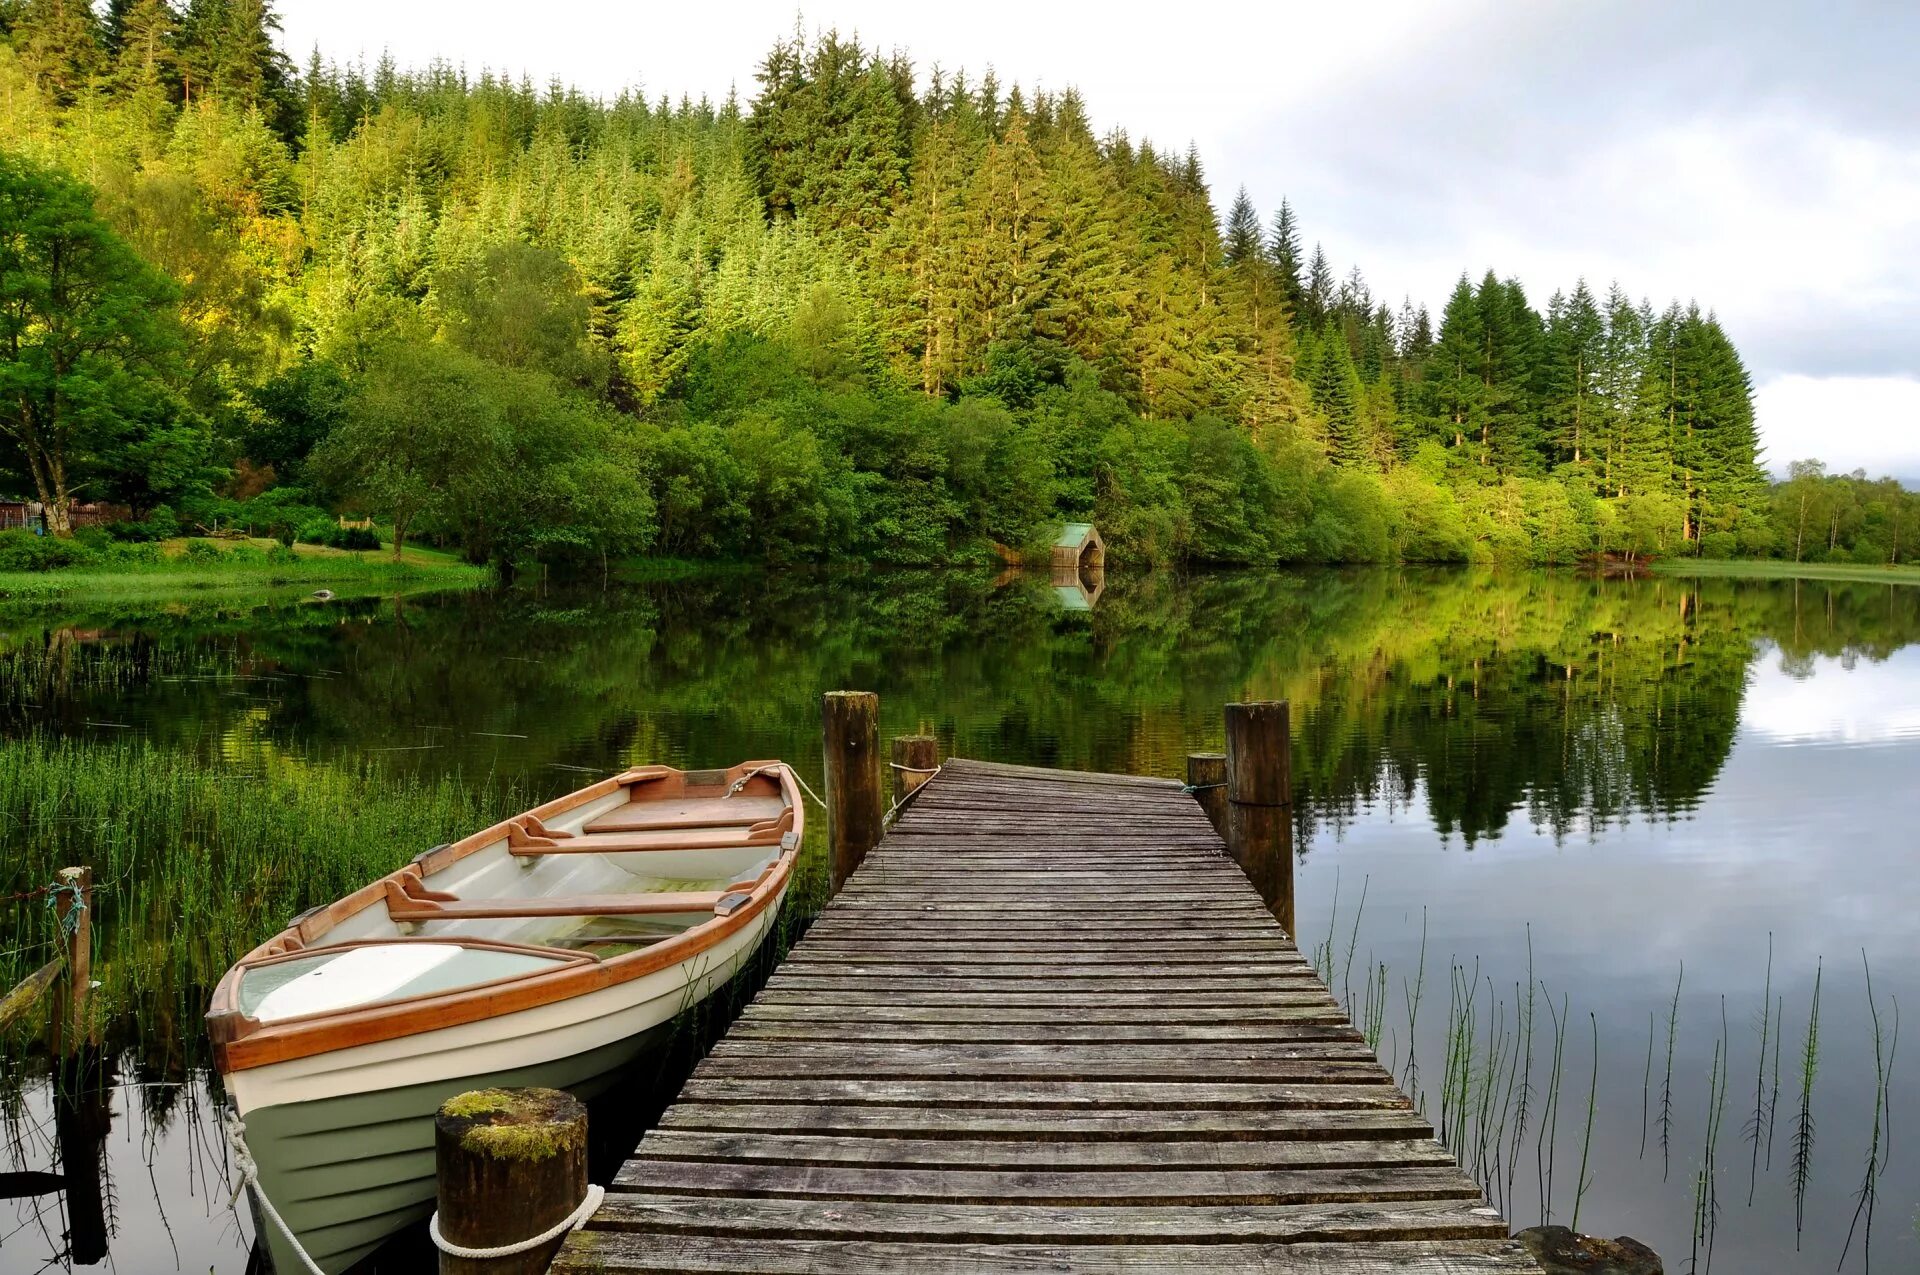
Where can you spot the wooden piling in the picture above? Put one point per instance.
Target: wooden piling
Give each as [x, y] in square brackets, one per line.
[73, 911]
[1207, 777]
[509, 1164]
[914, 760]
[856, 795]
[1260, 801]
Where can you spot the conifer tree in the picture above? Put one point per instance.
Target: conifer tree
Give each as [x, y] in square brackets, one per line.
[1316, 304]
[1337, 393]
[60, 44]
[1242, 242]
[1284, 247]
[1576, 336]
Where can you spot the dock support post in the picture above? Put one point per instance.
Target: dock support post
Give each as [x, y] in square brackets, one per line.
[1207, 780]
[1260, 802]
[856, 796]
[509, 1164]
[73, 909]
[914, 759]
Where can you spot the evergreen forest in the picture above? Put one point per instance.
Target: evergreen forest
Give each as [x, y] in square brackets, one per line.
[862, 309]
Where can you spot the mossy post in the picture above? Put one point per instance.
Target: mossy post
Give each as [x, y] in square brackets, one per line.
[1260, 802]
[73, 910]
[856, 795]
[1207, 778]
[914, 758]
[510, 1164]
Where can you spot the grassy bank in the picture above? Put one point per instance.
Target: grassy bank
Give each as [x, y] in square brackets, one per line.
[197, 565]
[1772, 569]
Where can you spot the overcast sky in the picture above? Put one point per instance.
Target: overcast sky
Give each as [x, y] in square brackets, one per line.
[1760, 157]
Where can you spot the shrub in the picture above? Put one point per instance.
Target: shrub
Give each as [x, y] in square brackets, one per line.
[202, 551]
[351, 538]
[1718, 544]
[25, 551]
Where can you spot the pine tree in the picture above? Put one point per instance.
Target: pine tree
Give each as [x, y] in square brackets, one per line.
[143, 33]
[1242, 242]
[1571, 411]
[1337, 393]
[1637, 458]
[60, 45]
[1456, 387]
[1283, 246]
[1316, 305]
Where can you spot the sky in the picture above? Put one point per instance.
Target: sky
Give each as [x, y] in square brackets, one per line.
[1759, 157]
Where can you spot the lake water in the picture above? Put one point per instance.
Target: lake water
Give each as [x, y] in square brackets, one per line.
[1572, 788]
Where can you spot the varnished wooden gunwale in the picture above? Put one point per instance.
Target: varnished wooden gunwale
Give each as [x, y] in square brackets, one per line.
[1047, 1026]
[240, 1043]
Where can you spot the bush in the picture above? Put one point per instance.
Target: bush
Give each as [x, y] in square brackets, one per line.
[25, 551]
[202, 551]
[350, 538]
[1718, 544]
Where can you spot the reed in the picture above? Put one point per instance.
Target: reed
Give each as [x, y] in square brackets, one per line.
[1581, 1183]
[1410, 1078]
[1755, 1126]
[1548, 1138]
[1353, 942]
[1803, 1129]
[1646, 1086]
[1882, 1131]
[1666, 1085]
[195, 861]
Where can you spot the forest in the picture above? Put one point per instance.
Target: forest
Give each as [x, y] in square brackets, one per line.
[872, 312]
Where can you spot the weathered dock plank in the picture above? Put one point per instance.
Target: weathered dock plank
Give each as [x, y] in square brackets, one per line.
[1047, 1026]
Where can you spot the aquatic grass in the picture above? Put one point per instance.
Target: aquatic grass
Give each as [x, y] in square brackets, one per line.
[1761, 1117]
[1883, 1055]
[1646, 1085]
[196, 861]
[1581, 1183]
[1803, 1126]
[1410, 1078]
[1666, 1085]
[1548, 1137]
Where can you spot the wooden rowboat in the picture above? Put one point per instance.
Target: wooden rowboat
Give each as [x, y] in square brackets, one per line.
[550, 949]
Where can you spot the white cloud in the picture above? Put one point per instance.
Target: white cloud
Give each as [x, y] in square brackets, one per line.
[1870, 423]
[1828, 706]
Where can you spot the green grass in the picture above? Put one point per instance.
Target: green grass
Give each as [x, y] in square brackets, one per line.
[243, 566]
[1773, 569]
[197, 861]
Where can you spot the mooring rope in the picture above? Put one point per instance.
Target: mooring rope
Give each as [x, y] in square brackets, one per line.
[741, 782]
[571, 1222]
[236, 1131]
[896, 807]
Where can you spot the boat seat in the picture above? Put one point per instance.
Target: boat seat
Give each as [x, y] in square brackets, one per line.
[693, 812]
[414, 902]
[527, 835]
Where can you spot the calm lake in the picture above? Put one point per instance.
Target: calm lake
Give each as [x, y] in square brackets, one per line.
[1527, 801]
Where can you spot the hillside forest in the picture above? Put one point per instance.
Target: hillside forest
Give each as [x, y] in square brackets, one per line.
[872, 311]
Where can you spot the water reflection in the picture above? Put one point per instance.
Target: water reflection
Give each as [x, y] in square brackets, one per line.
[1626, 773]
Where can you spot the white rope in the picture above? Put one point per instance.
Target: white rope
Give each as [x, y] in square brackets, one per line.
[249, 1172]
[777, 768]
[894, 809]
[571, 1222]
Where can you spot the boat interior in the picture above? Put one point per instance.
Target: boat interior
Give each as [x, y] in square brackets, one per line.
[614, 869]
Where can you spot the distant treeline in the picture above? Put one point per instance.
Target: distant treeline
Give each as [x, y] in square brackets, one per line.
[868, 313]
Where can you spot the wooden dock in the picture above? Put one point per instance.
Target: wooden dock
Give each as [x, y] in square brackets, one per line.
[1048, 1026]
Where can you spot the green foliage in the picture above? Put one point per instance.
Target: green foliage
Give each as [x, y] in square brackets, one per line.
[27, 551]
[88, 349]
[862, 314]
